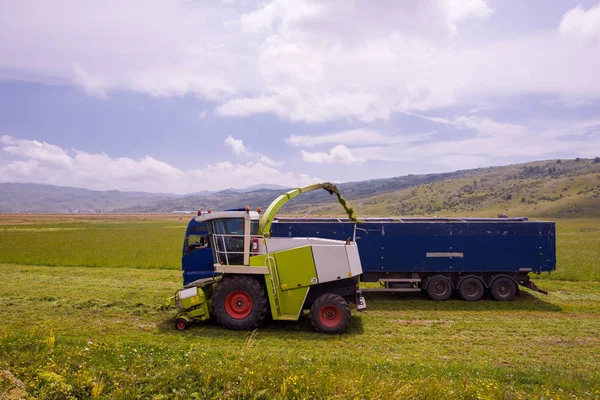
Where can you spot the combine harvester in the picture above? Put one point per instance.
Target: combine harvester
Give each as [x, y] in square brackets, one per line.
[248, 273]
[441, 256]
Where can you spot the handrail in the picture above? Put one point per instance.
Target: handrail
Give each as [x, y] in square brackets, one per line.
[219, 253]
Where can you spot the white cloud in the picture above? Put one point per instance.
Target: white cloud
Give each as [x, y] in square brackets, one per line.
[23, 160]
[581, 24]
[237, 145]
[339, 154]
[238, 148]
[303, 60]
[481, 142]
[202, 114]
[268, 161]
[282, 12]
[360, 137]
[464, 10]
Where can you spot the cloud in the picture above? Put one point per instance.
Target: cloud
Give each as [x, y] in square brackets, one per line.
[339, 154]
[302, 60]
[352, 137]
[92, 85]
[23, 160]
[268, 161]
[237, 145]
[238, 148]
[581, 24]
[467, 142]
[202, 114]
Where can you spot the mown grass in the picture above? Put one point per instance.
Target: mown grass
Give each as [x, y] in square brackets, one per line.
[71, 331]
[100, 332]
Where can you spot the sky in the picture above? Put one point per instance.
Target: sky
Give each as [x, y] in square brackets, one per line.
[180, 96]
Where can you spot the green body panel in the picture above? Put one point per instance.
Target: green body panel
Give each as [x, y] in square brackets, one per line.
[291, 273]
[196, 308]
[296, 267]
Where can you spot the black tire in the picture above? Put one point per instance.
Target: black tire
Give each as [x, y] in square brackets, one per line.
[471, 289]
[503, 289]
[181, 324]
[240, 302]
[439, 288]
[330, 313]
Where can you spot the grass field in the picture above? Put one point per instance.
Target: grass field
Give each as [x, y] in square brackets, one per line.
[148, 242]
[80, 306]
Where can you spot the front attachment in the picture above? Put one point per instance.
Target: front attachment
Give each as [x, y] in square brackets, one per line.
[194, 302]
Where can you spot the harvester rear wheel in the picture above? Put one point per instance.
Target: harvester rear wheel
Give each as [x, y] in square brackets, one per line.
[240, 302]
[330, 313]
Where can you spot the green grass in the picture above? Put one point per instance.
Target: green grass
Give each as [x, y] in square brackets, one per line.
[577, 250]
[135, 243]
[69, 330]
[157, 243]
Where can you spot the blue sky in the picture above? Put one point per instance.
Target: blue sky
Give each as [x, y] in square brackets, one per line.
[183, 96]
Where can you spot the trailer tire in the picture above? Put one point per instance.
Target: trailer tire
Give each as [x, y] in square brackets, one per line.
[439, 288]
[240, 302]
[330, 313]
[471, 289]
[503, 289]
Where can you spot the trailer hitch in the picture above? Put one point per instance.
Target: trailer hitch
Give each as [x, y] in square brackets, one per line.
[532, 286]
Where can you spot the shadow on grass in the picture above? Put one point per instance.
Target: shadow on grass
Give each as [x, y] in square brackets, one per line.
[421, 302]
[301, 328]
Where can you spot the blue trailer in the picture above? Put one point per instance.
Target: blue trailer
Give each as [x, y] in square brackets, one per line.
[470, 256]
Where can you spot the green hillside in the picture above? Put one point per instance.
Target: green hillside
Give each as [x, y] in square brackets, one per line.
[558, 188]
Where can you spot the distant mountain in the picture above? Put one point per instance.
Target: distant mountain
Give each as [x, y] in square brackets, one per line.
[541, 188]
[254, 188]
[33, 197]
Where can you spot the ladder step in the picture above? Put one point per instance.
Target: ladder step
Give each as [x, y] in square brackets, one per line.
[400, 280]
[391, 290]
[288, 317]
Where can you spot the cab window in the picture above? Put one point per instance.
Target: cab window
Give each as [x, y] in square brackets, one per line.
[230, 246]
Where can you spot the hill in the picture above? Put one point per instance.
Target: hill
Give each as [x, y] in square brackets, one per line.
[37, 198]
[541, 188]
[231, 198]
[544, 188]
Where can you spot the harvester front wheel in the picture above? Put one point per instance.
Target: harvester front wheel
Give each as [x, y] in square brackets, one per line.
[240, 302]
[181, 324]
[330, 313]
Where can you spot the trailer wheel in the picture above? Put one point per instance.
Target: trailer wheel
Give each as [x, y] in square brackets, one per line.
[439, 288]
[240, 302]
[503, 289]
[471, 289]
[330, 313]
[181, 324]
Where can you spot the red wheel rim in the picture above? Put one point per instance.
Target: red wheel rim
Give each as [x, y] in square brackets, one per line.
[238, 304]
[330, 316]
[181, 325]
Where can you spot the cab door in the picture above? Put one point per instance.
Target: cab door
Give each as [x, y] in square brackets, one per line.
[197, 258]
